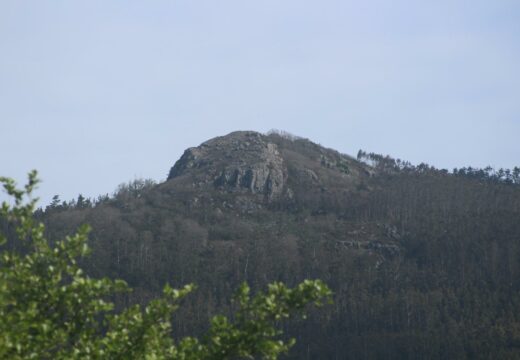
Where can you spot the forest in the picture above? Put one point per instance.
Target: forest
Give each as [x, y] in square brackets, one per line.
[424, 263]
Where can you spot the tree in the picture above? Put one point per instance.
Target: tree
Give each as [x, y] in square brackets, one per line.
[50, 309]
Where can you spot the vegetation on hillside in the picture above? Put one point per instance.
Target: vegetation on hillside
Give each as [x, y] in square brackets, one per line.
[424, 262]
[50, 309]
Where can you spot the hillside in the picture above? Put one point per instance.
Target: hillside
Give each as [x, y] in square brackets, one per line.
[424, 263]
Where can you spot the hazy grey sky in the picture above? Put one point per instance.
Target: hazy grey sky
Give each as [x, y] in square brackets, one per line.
[97, 92]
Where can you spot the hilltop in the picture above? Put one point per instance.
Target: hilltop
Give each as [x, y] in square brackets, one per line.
[270, 165]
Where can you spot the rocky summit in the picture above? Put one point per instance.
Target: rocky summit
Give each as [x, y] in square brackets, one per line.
[243, 160]
[275, 165]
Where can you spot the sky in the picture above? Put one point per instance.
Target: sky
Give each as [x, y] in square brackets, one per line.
[94, 93]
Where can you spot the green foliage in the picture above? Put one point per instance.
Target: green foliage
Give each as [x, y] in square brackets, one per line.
[50, 309]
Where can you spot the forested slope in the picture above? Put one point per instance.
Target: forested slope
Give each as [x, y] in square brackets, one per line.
[424, 263]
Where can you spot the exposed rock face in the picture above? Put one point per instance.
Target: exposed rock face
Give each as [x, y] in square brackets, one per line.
[240, 161]
[259, 168]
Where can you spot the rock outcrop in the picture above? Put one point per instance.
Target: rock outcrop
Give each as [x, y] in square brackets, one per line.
[241, 161]
[269, 167]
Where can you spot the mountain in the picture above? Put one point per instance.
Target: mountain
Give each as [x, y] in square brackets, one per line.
[424, 263]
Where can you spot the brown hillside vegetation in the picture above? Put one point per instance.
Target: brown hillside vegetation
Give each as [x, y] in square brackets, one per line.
[424, 263]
